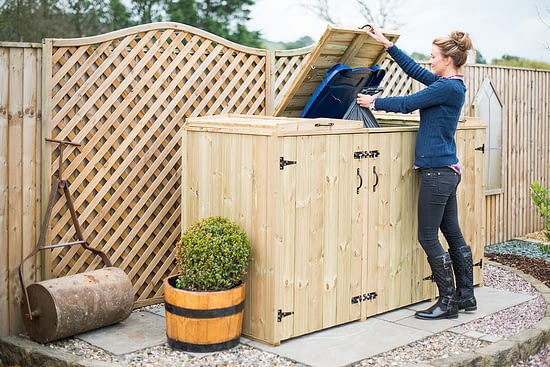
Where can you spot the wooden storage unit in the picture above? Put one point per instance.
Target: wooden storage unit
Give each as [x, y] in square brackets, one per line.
[330, 208]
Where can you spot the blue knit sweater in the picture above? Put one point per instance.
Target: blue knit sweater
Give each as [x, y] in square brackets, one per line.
[440, 104]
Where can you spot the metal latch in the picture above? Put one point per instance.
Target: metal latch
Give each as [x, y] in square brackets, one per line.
[283, 163]
[366, 154]
[480, 263]
[364, 297]
[281, 314]
[481, 148]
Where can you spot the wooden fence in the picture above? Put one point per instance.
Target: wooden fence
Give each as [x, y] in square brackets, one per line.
[525, 95]
[20, 165]
[124, 97]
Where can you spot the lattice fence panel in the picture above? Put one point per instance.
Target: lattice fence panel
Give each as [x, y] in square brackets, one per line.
[124, 96]
[287, 65]
[396, 82]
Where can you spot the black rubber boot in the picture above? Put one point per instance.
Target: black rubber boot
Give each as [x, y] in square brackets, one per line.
[464, 275]
[445, 307]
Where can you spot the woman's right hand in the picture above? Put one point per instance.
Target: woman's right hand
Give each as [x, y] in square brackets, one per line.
[374, 32]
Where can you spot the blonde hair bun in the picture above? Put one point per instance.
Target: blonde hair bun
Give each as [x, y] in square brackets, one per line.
[462, 40]
[456, 46]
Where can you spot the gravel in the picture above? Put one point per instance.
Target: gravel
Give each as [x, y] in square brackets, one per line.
[541, 359]
[442, 345]
[502, 324]
[518, 247]
[507, 322]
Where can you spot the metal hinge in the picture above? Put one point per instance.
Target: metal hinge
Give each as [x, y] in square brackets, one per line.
[283, 163]
[481, 148]
[429, 277]
[366, 154]
[364, 297]
[281, 314]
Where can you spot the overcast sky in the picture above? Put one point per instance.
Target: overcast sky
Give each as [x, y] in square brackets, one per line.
[497, 27]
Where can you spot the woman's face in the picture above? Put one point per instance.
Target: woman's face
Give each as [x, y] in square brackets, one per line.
[439, 62]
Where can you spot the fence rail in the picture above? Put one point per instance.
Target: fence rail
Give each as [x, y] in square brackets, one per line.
[125, 95]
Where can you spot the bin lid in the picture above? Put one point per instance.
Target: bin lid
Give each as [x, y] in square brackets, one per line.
[349, 46]
[271, 126]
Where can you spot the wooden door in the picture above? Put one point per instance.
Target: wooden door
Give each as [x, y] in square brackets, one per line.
[322, 237]
[396, 263]
[471, 193]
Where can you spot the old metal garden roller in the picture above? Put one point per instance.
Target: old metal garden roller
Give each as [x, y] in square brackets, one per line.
[58, 308]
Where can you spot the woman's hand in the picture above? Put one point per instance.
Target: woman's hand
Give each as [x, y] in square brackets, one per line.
[364, 100]
[374, 32]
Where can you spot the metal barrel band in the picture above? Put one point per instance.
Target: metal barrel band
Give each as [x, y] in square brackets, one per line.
[205, 313]
[203, 348]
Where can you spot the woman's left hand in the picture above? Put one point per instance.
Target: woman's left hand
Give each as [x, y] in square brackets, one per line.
[364, 100]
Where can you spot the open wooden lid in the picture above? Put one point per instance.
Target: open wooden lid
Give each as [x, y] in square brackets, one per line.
[350, 46]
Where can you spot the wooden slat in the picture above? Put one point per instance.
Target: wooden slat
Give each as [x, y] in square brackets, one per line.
[358, 236]
[15, 182]
[5, 245]
[330, 253]
[302, 297]
[272, 221]
[30, 155]
[286, 241]
[343, 244]
[318, 222]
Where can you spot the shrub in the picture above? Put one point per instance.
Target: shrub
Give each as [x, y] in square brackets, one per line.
[540, 197]
[212, 255]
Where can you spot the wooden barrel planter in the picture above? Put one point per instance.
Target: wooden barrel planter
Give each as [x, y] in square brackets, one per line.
[203, 322]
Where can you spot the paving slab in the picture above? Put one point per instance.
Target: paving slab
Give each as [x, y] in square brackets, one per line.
[342, 345]
[431, 326]
[157, 309]
[345, 344]
[139, 331]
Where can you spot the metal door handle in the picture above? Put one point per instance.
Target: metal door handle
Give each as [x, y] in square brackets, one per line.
[360, 181]
[376, 181]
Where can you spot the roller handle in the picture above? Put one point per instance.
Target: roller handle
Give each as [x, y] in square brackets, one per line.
[59, 183]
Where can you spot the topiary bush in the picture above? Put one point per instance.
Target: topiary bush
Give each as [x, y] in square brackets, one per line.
[212, 255]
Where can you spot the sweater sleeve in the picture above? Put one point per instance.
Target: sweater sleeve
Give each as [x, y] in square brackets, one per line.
[411, 67]
[435, 94]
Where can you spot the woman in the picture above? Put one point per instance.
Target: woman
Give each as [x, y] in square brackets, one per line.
[440, 104]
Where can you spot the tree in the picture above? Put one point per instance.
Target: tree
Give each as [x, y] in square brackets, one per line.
[545, 19]
[381, 13]
[85, 16]
[183, 11]
[29, 20]
[518, 62]
[118, 16]
[225, 18]
[147, 11]
[418, 56]
[34, 20]
[299, 43]
[479, 58]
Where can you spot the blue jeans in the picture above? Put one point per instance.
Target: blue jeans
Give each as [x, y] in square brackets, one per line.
[437, 209]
